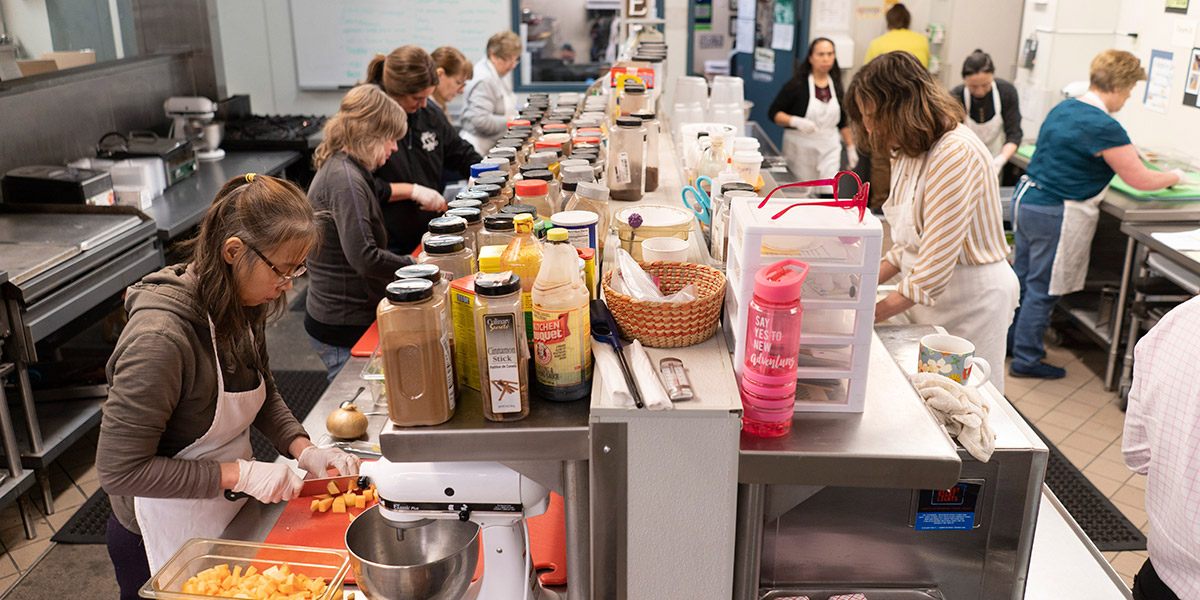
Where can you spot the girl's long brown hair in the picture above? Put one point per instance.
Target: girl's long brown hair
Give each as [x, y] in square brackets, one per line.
[911, 110]
[263, 212]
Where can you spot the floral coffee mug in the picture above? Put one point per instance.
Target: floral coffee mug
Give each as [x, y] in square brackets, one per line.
[951, 356]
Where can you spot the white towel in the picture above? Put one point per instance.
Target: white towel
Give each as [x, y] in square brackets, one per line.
[654, 396]
[961, 410]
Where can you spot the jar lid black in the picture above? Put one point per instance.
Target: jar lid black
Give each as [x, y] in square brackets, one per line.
[492, 177]
[491, 285]
[629, 122]
[736, 185]
[477, 195]
[513, 143]
[448, 224]
[444, 244]
[645, 115]
[470, 213]
[635, 88]
[464, 203]
[499, 222]
[424, 271]
[517, 209]
[409, 290]
[542, 174]
[491, 189]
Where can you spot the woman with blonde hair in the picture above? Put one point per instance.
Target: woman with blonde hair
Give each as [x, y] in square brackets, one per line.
[190, 375]
[943, 209]
[1079, 148]
[350, 270]
[409, 183]
[490, 101]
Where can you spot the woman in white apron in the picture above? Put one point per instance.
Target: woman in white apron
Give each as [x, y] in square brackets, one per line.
[190, 375]
[489, 99]
[809, 107]
[1079, 148]
[943, 210]
[999, 130]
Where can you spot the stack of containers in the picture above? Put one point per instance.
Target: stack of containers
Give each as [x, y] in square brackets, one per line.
[838, 296]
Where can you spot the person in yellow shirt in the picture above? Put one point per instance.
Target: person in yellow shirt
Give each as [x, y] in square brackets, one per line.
[898, 37]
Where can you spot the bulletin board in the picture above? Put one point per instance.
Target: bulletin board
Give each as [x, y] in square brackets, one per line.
[333, 40]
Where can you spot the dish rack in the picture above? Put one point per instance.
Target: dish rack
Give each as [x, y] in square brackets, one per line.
[838, 296]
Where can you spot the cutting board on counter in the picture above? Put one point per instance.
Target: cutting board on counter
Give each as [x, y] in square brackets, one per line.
[366, 344]
[1182, 193]
[299, 526]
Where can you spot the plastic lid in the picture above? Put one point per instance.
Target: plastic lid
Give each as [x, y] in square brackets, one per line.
[748, 156]
[474, 194]
[471, 214]
[587, 139]
[525, 168]
[541, 174]
[520, 209]
[592, 190]
[517, 122]
[513, 143]
[448, 224]
[546, 155]
[740, 186]
[555, 127]
[532, 186]
[444, 244]
[781, 281]
[635, 88]
[499, 178]
[645, 115]
[409, 290]
[629, 122]
[557, 234]
[578, 173]
[572, 162]
[479, 168]
[490, 258]
[498, 222]
[464, 203]
[523, 222]
[574, 218]
[424, 271]
[491, 189]
[497, 284]
[501, 152]
[501, 163]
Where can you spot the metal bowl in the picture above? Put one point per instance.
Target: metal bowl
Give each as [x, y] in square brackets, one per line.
[435, 561]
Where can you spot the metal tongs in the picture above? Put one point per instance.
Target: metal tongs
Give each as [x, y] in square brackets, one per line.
[604, 329]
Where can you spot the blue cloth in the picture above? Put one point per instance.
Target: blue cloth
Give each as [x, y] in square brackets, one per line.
[1036, 238]
[333, 357]
[1066, 165]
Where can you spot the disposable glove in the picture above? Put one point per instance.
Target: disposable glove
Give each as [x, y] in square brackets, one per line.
[851, 157]
[267, 482]
[318, 461]
[998, 162]
[804, 126]
[1183, 178]
[428, 199]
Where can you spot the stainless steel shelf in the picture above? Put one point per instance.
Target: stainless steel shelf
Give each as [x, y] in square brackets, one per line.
[62, 424]
[1081, 309]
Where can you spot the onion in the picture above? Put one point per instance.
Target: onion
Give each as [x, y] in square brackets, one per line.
[346, 422]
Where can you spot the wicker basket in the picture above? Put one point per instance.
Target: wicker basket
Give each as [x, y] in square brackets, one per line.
[671, 324]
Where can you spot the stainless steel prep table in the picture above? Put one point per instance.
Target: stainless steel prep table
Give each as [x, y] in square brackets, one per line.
[15, 481]
[182, 205]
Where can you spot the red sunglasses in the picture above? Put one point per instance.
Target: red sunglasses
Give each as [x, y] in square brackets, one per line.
[859, 200]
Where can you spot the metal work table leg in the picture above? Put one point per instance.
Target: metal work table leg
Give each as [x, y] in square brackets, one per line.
[747, 549]
[26, 390]
[575, 495]
[1114, 347]
[43, 479]
[11, 451]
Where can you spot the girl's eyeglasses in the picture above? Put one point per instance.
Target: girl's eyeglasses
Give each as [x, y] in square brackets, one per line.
[283, 279]
[859, 200]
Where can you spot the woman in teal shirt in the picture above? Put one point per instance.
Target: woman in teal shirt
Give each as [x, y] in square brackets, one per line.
[1079, 149]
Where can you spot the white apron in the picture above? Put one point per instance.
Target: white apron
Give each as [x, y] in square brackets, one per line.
[989, 131]
[167, 523]
[978, 301]
[819, 155]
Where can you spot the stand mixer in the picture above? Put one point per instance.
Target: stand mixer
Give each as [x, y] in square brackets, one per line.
[192, 119]
[495, 497]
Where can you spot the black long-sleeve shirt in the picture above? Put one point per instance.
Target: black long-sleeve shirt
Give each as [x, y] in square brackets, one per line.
[981, 109]
[431, 145]
[793, 100]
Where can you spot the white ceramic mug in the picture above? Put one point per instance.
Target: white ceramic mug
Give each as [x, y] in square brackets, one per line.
[664, 248]
[953, 357]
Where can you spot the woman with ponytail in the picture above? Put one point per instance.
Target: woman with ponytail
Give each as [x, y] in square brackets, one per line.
[190, 375]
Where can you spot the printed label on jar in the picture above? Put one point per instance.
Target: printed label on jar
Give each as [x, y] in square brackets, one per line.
[504, 374]
[448, 357]
[624, 174]
[562, 346]
[527, 306]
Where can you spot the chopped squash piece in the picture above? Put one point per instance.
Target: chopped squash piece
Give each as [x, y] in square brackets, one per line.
[349, 498]
[326, 504]
[360, 501]
[339, 505]
[353, 485]
[316, 504]
[333, 488]
[369, 495]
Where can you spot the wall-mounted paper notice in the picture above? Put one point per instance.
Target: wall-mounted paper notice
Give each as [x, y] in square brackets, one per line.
[1158, 83]
[1183, 33]
[745, 34]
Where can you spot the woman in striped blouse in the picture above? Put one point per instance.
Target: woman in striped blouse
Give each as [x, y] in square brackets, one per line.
[943, 211]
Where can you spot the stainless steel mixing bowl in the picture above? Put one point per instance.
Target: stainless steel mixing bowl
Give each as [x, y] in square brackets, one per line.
[435, 561]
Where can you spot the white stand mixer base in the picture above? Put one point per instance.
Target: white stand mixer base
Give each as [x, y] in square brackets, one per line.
[545, 594]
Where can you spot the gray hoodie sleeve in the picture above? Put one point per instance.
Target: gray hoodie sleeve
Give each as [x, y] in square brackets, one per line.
[148, 374]
[359, 222]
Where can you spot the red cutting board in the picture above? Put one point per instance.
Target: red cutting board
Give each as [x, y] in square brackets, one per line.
[366, 344]
[299, 526]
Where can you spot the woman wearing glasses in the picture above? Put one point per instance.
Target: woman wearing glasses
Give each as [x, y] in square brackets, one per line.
[190, 375]
[490, 101]
[350, 270]
[943, 210]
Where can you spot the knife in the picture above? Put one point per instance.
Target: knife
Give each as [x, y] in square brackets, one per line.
[312, 487]
[604, 329]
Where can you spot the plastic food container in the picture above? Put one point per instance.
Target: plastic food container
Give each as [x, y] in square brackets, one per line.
[372, 374]
[200, 554]
[651, 221]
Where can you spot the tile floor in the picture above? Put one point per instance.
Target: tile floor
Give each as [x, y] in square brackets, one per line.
[1082, 419]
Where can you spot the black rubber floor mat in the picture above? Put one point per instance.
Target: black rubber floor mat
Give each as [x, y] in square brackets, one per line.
[89, 524]
[300, 391]
[1102, 521]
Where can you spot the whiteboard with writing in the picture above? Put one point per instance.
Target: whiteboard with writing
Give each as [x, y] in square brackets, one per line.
[335, 39]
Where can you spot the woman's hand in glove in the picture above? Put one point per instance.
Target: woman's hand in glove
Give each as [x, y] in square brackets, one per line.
[318, 461]
[428, 199]
[802, 125]
[998, 162]
[267, 482]
[1183, 178]
[851, 157]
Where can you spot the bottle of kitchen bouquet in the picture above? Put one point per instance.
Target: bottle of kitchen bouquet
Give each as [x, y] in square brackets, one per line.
[562, 333]
[523, 256]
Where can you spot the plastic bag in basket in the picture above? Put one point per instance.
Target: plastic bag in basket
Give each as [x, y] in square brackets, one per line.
[630, 279]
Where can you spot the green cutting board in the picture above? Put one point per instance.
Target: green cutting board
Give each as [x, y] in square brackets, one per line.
[1183, 193]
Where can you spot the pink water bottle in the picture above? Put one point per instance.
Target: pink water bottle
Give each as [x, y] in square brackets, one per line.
[772, 348]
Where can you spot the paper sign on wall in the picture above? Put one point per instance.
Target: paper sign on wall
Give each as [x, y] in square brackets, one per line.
[1177, 6]
[869, 12]
[1183, 33]
[745, 34]
[830, 15]
[784, 29]
[764, 60]
[1191, 86]
[1158, 83]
